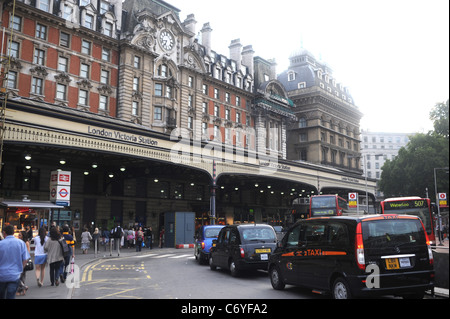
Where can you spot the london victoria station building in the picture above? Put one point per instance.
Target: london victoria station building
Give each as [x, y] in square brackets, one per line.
[147, 119]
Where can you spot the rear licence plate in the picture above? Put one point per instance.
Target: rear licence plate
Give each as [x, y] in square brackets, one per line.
[397, 263]
[260, 251]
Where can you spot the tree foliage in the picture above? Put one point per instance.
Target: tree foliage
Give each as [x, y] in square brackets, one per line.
[439, 116]
[412, 171]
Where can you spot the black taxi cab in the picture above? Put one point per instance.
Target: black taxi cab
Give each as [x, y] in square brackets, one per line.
[351, 256]
[243, 247]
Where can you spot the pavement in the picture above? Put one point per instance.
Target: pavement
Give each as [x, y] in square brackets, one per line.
[64, 290]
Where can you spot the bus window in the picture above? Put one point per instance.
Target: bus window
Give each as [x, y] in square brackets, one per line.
[327, 205]
[416, 206]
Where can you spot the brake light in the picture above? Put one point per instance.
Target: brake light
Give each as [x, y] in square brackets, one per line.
[430, 251]
[203, 245]
[242, 252]
[359, 249]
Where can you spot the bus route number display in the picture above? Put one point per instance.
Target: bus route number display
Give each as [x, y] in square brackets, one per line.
[405, 204]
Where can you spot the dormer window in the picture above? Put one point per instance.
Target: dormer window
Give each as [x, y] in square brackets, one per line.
[44, 5]
[88, 21]
[104, 7]
[67, 12]
[108, 29]
[291, 76]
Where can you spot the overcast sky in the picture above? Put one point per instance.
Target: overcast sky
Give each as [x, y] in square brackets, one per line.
[393, 55]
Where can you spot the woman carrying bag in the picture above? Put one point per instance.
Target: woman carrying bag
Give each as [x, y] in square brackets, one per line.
[54, 255]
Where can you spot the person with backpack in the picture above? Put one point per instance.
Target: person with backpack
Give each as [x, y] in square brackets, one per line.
[67, 256]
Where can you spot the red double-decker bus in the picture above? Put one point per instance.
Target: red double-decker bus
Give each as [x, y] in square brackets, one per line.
[327, 205]
[413, 205]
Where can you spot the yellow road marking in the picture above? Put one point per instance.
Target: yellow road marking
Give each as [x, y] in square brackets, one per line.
[117, 293]
[87, 273]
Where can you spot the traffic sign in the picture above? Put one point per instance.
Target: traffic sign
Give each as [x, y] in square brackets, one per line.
[352, 200]
[442, 200]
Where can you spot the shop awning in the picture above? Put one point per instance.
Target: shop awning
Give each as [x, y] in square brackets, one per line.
[30, 204]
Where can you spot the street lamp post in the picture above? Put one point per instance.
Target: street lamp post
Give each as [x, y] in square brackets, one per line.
[437, 204]
[364, 156]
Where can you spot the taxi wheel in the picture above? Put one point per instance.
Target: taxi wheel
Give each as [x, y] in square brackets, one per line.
[202, 259]
[211, 265]
[233, 269]
[340, 289]
[275, 279]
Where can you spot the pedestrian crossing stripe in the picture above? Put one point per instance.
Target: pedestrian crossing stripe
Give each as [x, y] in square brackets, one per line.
[181, 256]
[162, 256]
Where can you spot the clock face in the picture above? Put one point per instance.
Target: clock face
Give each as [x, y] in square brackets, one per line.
[166, 39]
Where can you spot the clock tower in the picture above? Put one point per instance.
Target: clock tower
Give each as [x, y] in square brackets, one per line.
[156, 48]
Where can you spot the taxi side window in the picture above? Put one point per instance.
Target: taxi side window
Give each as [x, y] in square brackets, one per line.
[337, 234]
[226, 238]
[234, 238]
[313, 234]
[221, 237]
[292, 237]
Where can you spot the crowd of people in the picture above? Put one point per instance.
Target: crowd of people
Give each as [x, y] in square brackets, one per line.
[56, 248]
[16, 261]
[137, 237]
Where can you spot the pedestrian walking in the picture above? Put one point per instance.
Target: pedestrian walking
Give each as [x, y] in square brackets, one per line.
[85, 240]
[22, 289]
[55, 256]
[29, 232]
[71, 243]
[161, 238]
[105, 238]
[117, 234]
[13, 258]
[96, 239]
[149, 237]
[139, 238]
[40, 256]
[130, 237]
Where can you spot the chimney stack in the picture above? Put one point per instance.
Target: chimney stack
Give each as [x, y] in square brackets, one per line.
[247, 58]
[190, 23]
[206, 37]
[118, 13]
[235, 52]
